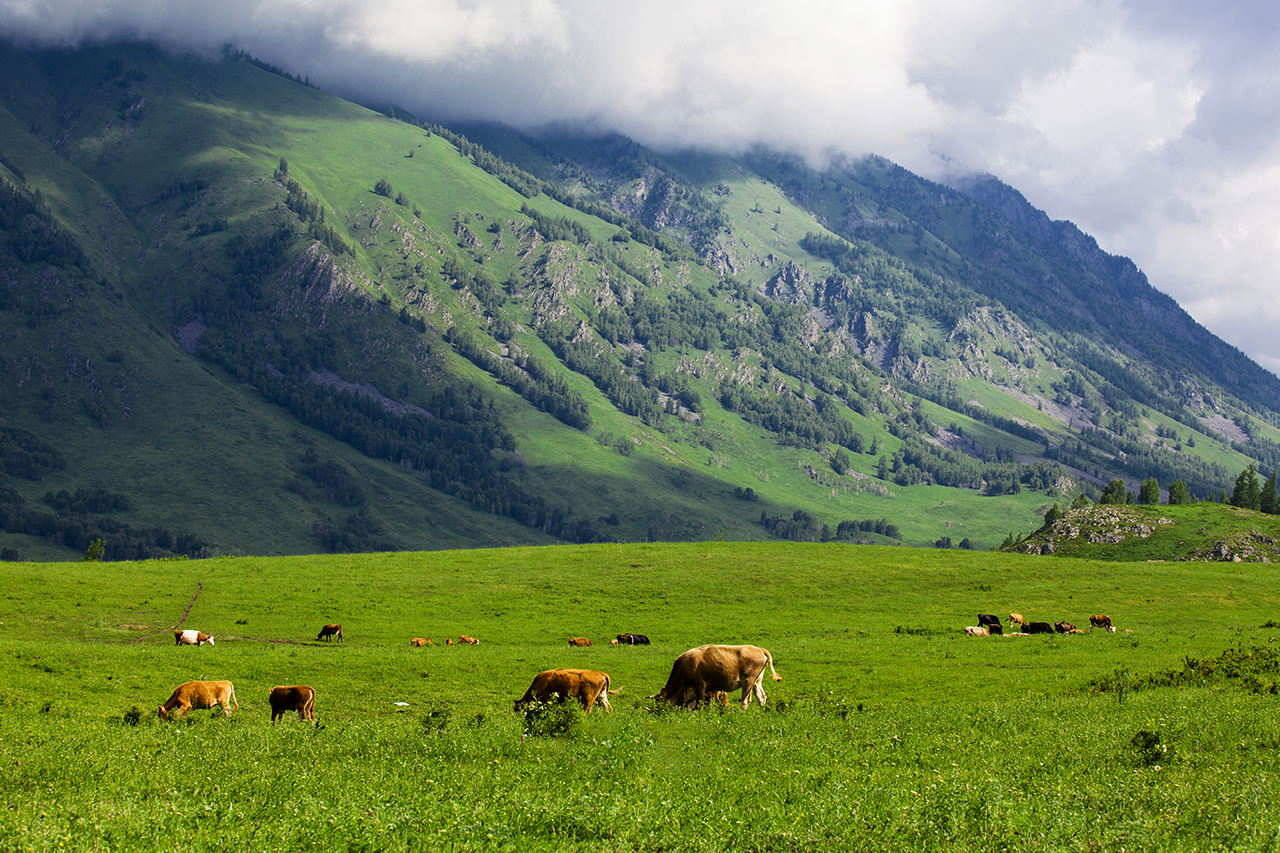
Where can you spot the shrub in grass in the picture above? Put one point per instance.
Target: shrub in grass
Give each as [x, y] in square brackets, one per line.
[550, 719]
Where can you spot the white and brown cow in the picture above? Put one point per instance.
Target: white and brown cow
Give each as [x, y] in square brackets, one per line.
[199, 694]
[298, 697]
[1101, 621]
[588, 686]
[191, 637]
[714, 667]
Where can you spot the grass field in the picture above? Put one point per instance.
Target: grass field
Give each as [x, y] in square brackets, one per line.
[891, 729]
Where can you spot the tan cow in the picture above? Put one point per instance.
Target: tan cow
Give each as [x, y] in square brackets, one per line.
[714, 667]
[977, 631]
[1016, 617]
[1101, 621]
[470, 641]
[328, 632]
[191, 637]
[199, 694]
[420, 641]
[299, 697]
[579, 641]
[588, 686]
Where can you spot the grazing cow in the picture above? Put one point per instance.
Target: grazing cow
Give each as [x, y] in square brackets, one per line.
[715, 667]
[328, 632]
[988, 619]
[976, 631]
[470, 641]
[199, 694]
[1037, 628]
[191, 638]
[419, 642]
[1101, 621]
[1064, 627]
[633, 640]
[299, 697]
[1016, 617]
[614, 641]
[588, 686]
[448, 642]
[579, 641]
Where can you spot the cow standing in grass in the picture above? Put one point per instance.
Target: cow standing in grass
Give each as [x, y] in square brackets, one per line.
[199, 694]
[298, 697]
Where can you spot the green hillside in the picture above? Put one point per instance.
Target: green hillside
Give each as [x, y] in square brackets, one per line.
[242, 316]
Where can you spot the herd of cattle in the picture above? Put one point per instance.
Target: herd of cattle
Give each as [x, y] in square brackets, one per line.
[699, 676]
[989, 626]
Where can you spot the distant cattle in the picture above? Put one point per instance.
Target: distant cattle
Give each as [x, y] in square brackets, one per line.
[1037, 628]
[192, 638]
[1016, 618]
[1064, 627]
[588, 686]
[420, 641]
[470, 641]
[977, 631]
[328, 632]
[632, 640]
[298, 698]
[579, 641]
[988, 619]
[1101, 621]
[199, 694]
[448, 642]
[716, 667]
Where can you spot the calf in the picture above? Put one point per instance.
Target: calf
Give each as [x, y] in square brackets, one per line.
[299, 697]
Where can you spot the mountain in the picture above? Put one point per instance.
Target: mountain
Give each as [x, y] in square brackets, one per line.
[240, 315]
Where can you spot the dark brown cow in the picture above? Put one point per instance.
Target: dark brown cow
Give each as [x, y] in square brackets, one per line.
[716, 667]
[579, 641]
[328, 632]
[588, 686]
[1037, 628]
[199, 694]
[420, 641]
[633, 640]
[1102, 621]
[191, 637]
[299, 697]
[1064, 627]
[470, 641]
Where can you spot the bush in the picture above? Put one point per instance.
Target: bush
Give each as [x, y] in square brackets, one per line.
[548, 719]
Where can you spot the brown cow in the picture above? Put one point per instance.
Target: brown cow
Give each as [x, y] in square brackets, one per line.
[1101, 621]
[420, 641]
[299, 697]
[470, 641]
[588, 686]
[328, 632]
[579, 641]
[1064, 628]
[715, 667]
[1017, 617]
[448, 642]
[200, 694]
[191, 637]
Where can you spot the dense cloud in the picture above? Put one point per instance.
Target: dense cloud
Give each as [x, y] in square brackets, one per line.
[1149, 124]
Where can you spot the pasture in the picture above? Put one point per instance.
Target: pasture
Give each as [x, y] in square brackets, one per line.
[891, 729]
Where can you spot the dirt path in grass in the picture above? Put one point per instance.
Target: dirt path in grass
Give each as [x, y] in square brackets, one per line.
[187, 612]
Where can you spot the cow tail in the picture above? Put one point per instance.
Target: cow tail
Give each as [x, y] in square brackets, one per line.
[769, 657]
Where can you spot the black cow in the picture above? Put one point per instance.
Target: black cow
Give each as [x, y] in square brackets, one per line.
[633, 640]
[991, 623]
[1037, 628]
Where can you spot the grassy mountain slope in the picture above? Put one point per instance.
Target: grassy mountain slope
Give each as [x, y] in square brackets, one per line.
[241, 315]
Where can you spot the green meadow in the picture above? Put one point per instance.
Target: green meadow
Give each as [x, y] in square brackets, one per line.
[890, 731]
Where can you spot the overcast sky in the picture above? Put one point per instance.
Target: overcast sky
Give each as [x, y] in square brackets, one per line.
[1154, 125]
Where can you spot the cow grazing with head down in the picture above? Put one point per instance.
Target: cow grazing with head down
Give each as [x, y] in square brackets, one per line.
[299, 697]
[715, 667]
[1101, 621]
[191, 637]
[1064, 628]
[1037, 628]
[579, 641]
[419, 642]
[588, 686]
[1016, 618]
[328, 632]
[469, 641]
[199, 694]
